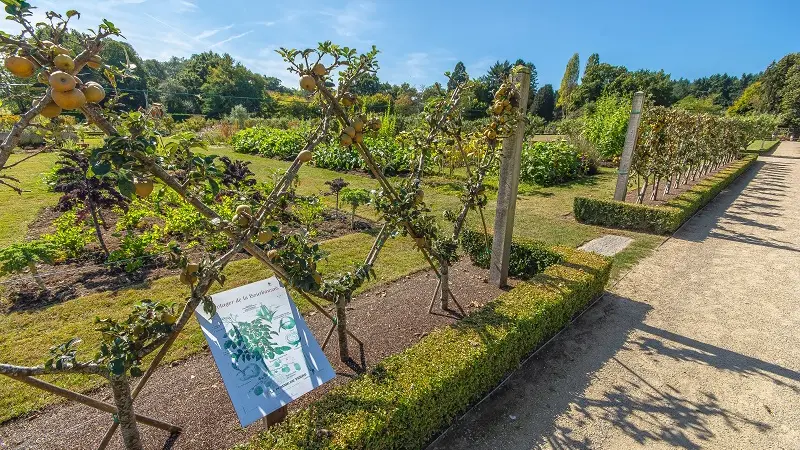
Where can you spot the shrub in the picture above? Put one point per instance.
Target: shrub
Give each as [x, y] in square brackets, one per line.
[355, 198]
[549, 163]
[659, 219]
[527, 257]
[135, 250]
[25, 255]
[193, 123]
[388, 154]
[308, 211]
[606, 127]
[269, 142]
[409, 397]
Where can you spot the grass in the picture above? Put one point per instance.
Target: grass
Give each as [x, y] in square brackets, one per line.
[543, 214]
[762, 145]
[18, 211]
[58, 323]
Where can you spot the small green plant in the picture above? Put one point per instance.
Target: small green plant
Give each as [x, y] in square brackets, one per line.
[527, 258]
[239, 115]
[71, 235]
[355, 198]
[135, 250]
[308, 211]
[336, 185]
[18, 257]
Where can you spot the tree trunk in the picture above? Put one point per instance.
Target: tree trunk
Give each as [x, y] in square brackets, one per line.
[654, 195]
[125, 415]
[444, 290]
[96, 224]
[643, 191]
[337, 201]
[341, 326]
[36, 277]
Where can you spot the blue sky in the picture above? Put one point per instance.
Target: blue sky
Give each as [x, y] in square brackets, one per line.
[419, 40]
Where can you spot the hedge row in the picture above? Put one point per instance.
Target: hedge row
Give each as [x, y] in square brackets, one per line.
[527, 257]
[769, 146]
[662, 219]
[411, 396]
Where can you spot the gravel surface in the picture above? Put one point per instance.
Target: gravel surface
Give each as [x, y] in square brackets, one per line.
[697, 347]
[387, 318]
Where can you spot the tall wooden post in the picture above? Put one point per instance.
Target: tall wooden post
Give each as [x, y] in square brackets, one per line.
[509, 184]
[627, 150]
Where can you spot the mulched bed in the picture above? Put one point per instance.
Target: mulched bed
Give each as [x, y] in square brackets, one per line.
[87, 275]
[631, 196]
[190, 393]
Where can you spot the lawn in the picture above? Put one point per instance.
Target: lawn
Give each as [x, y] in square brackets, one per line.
[18, 211]
[542, 213]
[759, 145]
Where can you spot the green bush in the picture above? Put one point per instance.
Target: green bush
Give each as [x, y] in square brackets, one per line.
[606, 127]
[527, 257]
[662, 219]
[390, 156]
[549, 163]
[136, 250]
[411, 396]
[269, 142]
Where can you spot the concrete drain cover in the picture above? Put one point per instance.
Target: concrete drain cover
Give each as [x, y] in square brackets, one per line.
[608, 245]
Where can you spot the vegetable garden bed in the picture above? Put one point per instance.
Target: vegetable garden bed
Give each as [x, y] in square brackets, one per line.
[665, 218]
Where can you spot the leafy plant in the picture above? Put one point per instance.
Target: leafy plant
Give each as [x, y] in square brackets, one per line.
[336, 185]
[71, 236]
[355, 198]
[73, 179]
[135, 250]
[526, 260]
[607, 126]
[269, 142]
[25, 255]
[308, 211]
[549, 163]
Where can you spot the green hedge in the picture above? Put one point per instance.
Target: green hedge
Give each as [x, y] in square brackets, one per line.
[411, 396]
[269, 142]
[662, 219]
[527, 257]
[768, 146]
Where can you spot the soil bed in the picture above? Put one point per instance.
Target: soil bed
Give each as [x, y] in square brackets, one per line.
[190, 393]
[87, 275]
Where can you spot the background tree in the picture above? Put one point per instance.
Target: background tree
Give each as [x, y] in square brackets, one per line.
[544, 102]
[458, 76]
[569, 84]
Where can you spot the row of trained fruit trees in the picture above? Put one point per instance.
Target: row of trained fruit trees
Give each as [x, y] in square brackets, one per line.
[140, 161]
[676, 147]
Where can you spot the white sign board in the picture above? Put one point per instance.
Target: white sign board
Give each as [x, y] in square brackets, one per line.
[263, 348]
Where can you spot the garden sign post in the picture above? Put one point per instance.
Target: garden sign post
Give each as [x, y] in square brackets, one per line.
[509, 184]
[627, 150]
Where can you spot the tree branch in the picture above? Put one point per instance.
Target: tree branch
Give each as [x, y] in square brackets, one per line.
[22, 371]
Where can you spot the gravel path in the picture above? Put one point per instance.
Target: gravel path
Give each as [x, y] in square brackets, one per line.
[697, 347]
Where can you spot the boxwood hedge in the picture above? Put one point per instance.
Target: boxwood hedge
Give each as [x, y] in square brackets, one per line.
[413, 395]
[662, 219]
[527, 257]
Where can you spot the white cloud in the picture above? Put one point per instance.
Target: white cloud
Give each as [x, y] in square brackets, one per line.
[186, 6]
[209, 33]
[237, 36]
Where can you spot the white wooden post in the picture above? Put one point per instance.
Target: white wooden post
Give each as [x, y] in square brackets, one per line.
[627, 150]
[509, 184]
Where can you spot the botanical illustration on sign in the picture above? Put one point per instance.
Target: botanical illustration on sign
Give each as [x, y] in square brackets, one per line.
[256, 352]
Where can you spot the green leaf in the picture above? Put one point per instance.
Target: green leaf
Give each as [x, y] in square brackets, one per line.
[72, 13]
[136, 372]
[125, 186]
[101, 168]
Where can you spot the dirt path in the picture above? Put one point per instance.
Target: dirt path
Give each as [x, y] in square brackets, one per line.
[697, 347]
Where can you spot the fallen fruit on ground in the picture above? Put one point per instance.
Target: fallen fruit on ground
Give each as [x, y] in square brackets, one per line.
[19, 66]
[72, 99]
[62, 81]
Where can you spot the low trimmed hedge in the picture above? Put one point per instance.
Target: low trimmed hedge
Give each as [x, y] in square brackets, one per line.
[662, 219]
[527, 257]
[769, 146]
[413, 395]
